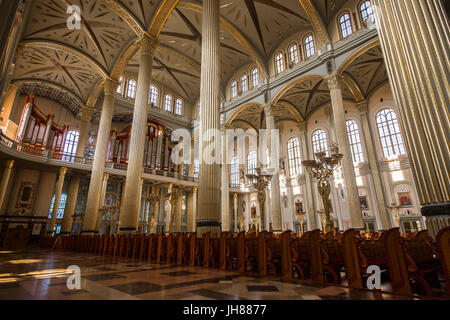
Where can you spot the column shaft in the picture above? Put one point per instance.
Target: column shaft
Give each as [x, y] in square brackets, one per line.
[351, 189]
[71, 203]
[130, 207]
[98, 166]
[209, 174]
[225, 196]
[8, 105]
[86, 116]
[58, 192]
[5, 180]
[415, 37]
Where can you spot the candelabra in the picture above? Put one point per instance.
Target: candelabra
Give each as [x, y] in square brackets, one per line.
[395, 211]
[260, 182]
[301, 217]
[322, 169]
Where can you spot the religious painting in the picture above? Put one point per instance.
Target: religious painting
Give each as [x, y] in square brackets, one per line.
[298, 207]
[363, 202]
[25, 198]
[404, 199]
[253, 212]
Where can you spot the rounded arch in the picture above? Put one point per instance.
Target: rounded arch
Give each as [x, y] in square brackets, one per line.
[357, 54]
[238, 110]
[291, 84]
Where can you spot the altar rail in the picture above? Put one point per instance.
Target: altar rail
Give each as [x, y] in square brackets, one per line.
[409, 264]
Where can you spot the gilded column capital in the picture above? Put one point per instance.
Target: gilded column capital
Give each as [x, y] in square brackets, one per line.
[194, 190]
[9, 164]
[268, 109]
[147, 44]
[86, 113]
[235, 196]
[106, 177]
[62, 171]
[363, 107]
[11, 87]
[334, 81]
[110, 86]
[226, 126]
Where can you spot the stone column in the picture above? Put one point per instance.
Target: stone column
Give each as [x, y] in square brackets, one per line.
[235, 212]
[58, 191]
[209, 174]
[275, 208]
[363, 108]
[71, 203]
[310, 207]
[5, 180]
[414, 36]
[98, 166]
[192, 210]
[101, 203]
[225, 196]
[8, 105]
[351, 189]
[86, 117]
[130, 207]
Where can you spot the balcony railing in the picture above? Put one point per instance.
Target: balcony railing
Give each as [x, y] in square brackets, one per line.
[64, 157]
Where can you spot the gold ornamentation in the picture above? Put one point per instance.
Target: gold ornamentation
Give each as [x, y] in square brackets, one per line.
[9, 164]
[363, 107]
[110, 86]
[260, 182]
[334, 81]
[87, 113]
[147, 44]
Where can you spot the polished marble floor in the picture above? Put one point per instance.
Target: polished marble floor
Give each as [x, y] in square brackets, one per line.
[42, 274]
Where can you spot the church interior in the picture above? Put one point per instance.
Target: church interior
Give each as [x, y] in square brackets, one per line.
[224, 150]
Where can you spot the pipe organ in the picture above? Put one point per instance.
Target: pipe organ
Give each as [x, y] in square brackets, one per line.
[39, 130]
[157, 147]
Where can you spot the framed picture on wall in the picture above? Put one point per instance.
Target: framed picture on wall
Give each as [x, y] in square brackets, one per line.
[363, 202]
[404, 198]
[253, 212]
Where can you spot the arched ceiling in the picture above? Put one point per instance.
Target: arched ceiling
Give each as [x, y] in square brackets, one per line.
[77, 60]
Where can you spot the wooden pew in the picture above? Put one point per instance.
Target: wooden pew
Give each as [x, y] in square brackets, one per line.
[332, 252]
[251, 253]
[190, 250]
[273, 253]
[205, 249]
[351, 259]
[286, 258]
[213, 251]
[398, 272]
[159, 248]
[423, 263]
[262, 253]
[240, 252]
[306, 256]
[170, 249]
[223, 243]
[443, 244]
[152, 247]
[179, 248]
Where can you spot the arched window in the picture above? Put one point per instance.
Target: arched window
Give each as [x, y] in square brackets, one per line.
[234, 172]
[293, 53]
[251, 164]
[355, 141]
[294, 156]
[255, 77]
[70, 145]
[345, 25]
[389, 130]
[179, 107]
[168, 103]
[234, 89]
[196, 168]
[244, 83]
[119, 87]
[279, 62]
[309, 46]
[131, 92]
[61, 207]
[367, 11]
[320, 141]
[153, 95]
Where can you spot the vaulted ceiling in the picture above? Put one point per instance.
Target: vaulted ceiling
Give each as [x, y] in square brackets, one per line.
[76, 61]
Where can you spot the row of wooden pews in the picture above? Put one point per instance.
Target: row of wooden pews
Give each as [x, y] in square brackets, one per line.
[408, 263]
